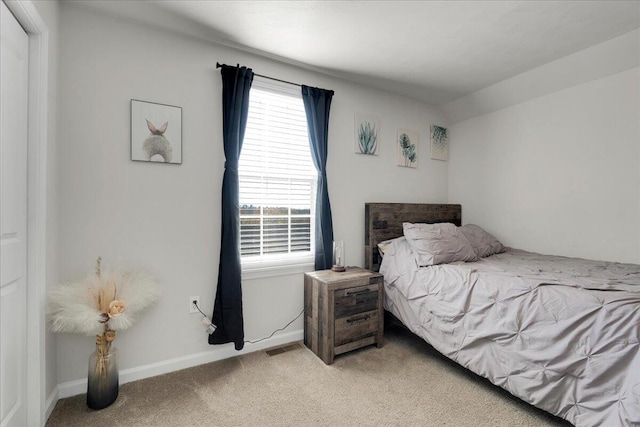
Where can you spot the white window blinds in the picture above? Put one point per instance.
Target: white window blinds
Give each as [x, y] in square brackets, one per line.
[277, 178]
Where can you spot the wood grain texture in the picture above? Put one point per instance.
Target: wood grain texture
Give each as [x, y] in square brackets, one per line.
[383, 221]
[343, 311]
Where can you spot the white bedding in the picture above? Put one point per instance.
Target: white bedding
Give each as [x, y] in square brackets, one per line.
[560, 333]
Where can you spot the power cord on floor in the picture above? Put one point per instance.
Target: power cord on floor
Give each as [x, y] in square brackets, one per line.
[277, 330]
[258, 340]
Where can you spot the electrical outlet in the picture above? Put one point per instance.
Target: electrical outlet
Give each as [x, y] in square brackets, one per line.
[192, 306]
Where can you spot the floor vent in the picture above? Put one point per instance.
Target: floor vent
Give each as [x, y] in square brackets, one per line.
[280, 350]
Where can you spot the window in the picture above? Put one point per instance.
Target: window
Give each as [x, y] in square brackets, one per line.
[277, 181]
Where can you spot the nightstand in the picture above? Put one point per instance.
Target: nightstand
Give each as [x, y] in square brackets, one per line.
[343, 311]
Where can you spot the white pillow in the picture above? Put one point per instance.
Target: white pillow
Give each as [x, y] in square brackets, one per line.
[383, 246]
[483, 243]
[434, 244]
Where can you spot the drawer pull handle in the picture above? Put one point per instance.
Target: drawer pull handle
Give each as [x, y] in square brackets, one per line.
[357, 319]
[358, 292]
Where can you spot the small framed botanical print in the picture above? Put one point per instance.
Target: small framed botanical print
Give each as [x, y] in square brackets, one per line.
[439, 143]
[407, 149]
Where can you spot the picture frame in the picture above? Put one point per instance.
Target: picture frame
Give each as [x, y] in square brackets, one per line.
[366, 134]
[407, 144]
[156, 132]
[439, 138]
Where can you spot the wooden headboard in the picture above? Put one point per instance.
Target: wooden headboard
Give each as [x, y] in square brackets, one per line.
[383, 221]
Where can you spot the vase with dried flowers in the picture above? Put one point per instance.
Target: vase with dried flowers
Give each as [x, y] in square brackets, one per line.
[104, 302]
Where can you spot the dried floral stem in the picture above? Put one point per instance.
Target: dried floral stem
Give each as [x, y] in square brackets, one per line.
[103, 350]
[103, 346]
[98, 272]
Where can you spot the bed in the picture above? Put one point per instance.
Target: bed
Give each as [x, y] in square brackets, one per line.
[560, 333]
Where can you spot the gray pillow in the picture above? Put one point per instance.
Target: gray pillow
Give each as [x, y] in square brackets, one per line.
[433, 244]
[483, 243]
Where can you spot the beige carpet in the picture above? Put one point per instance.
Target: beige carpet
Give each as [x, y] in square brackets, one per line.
[405, 383]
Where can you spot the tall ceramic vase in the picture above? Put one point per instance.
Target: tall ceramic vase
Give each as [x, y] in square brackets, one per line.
[102, 384]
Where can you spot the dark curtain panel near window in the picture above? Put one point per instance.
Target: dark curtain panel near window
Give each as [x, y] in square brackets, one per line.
[227, 311]
[317, 103]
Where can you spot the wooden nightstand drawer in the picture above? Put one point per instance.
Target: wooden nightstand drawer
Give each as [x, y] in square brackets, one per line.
[356, 327]
[343, 311]
[356, 291]
[356, 300]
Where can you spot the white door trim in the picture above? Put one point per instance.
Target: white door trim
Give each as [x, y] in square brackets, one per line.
[27, 15]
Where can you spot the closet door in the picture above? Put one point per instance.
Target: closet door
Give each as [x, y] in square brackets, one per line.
[14, 49]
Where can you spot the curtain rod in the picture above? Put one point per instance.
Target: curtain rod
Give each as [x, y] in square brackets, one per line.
[218, 65]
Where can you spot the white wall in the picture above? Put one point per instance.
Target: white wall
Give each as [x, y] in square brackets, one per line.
[557, 174]
[166, 218]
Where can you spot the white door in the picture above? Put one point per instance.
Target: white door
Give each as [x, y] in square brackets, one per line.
[14, 46]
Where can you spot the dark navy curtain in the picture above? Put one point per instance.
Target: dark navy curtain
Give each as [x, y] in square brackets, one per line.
[317, 103]
[227, 311]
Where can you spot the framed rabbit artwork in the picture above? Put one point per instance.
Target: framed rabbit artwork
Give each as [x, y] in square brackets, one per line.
[156, 132]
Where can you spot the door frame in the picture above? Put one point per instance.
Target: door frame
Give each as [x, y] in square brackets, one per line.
[27, 15]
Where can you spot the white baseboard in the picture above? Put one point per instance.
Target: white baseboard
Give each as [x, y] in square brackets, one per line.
[73, 388]
[50, 404]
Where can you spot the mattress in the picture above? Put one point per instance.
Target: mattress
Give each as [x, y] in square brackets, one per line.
[560, 333]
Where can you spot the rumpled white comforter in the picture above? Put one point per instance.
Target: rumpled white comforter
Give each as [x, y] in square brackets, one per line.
[560, 333]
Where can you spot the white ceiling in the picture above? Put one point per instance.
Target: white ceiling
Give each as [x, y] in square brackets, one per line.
[435, 51]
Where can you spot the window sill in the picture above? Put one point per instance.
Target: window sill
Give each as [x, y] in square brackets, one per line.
[257, 270]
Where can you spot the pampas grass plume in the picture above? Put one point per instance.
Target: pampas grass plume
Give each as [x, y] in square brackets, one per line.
[80, 307]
